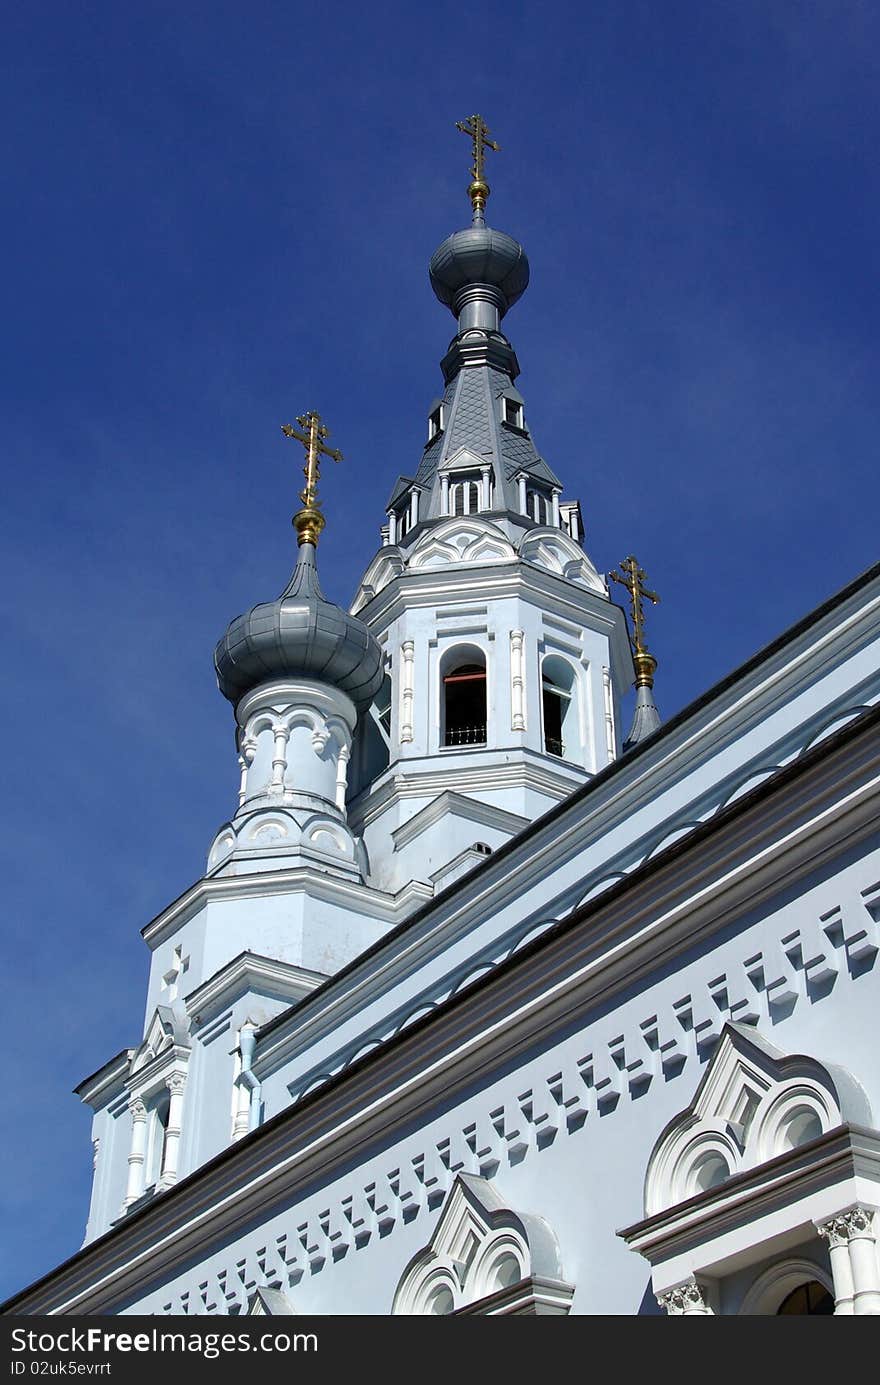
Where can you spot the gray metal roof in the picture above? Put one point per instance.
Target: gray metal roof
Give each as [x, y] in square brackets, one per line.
[304, 635]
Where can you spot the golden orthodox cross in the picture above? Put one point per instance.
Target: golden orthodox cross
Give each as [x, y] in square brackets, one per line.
[477, 130]
[632, 577]
[311, 433]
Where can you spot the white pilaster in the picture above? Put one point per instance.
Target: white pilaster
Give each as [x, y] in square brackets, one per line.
[444, 493]
[407, 689]
[517, 681]
[342, 777]
[610, 736]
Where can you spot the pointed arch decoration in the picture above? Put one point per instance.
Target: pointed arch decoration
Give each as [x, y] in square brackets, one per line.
[776, 1152]
[485, 1259]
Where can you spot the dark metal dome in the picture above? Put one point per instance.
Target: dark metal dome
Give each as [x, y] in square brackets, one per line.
[301, 635]
[479, 255]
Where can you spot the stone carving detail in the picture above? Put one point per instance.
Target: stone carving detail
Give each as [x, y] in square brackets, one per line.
[856, 1221]
[686, 1298]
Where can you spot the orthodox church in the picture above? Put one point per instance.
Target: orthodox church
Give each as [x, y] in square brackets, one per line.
[486, 1002]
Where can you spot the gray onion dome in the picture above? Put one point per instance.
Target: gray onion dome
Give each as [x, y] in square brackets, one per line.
[301, 635]
[479, 255]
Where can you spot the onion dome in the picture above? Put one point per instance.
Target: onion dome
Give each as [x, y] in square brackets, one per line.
[301, 635]
[479, 257]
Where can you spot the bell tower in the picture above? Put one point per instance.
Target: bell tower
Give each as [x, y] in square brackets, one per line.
[505, 657]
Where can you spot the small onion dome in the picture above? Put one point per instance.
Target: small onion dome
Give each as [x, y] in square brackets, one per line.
[479, 255]
[301, 635]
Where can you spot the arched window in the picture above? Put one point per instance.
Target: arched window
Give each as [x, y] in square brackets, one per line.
[464, 498]
[559, 706]
[811, 1299]
[463, 697]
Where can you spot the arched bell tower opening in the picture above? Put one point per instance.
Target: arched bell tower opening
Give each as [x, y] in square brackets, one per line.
[463, 701]
[560, 711]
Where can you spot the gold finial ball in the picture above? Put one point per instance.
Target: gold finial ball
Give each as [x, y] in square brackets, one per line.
[646, 667]
[479, 188]
[308, 524]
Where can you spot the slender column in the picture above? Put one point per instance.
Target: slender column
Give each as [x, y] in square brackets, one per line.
[517, 681]
[137, 1152]
[554, 505]
[485, 489]
[279, 759]
[342, 777]
[610, 746]
[687, 1300]
[835, 1233]
[522, 495]
[392, 526]
[863, 1261]
[407, 674]
[245, 760]
[413, 508]
[175, 1084]
[444, 493]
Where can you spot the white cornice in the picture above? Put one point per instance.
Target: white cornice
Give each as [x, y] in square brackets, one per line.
[361, 899]
[804, 1185]
[452, 804]
[250, 971]
[101, 1086]
[453, 771]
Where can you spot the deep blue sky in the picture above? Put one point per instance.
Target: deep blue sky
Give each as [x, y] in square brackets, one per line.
[219, 215]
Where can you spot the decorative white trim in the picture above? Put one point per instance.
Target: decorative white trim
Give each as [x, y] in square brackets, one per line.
[407, 686]
[763, 1298]
[481, 1250]
[517, 681]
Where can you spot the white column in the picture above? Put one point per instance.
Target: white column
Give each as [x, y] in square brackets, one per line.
[175, 1084]
[413, 508]
[279, 759]
[555, 509]
[687, 1300]
[835, 1233]
[485, 489]
[444, 493]
[407, 676]
[863, 1261]
[610, 746]
[392, 526]
[517, 681]
[342, 777]
[522, 495]
[245, 760]
[137, 1152]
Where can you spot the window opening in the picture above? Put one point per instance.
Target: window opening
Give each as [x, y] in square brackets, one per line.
[513, 413]
[464, 692]
[556, 703]
[811, 1299]
[465, 498]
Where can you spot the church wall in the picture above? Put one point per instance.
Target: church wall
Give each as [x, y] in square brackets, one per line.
[586, 1179]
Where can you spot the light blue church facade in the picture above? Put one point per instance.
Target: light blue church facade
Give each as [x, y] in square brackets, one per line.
[487, 1002]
